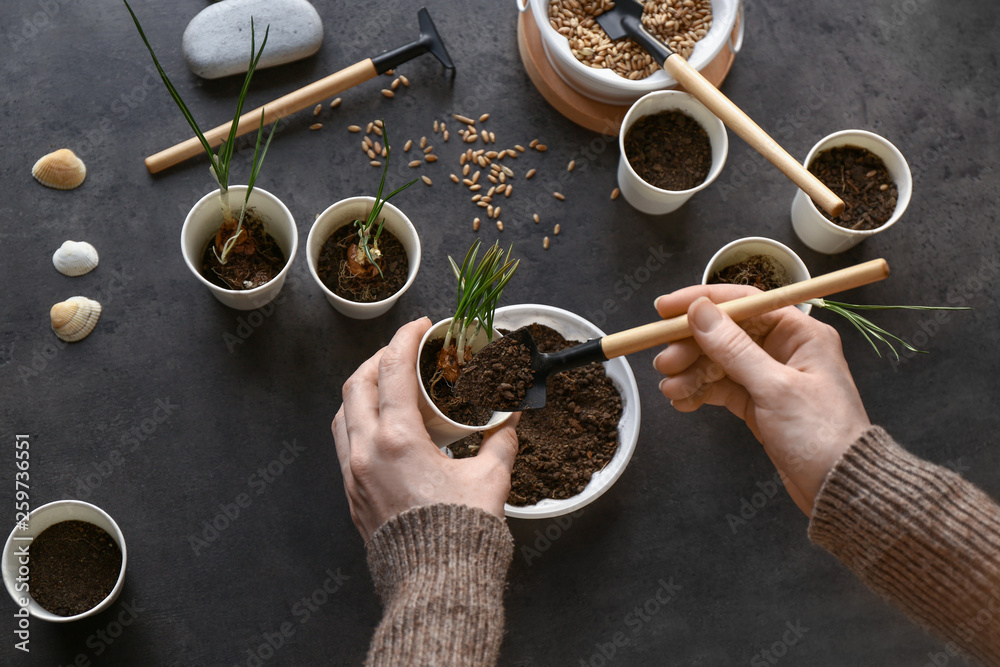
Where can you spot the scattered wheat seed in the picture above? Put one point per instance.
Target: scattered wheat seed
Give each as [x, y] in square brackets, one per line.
[463, 119]
[559, 196]
[507, 170]
[426, 180]
[454, 178]
[571, 165]
[502, 177]
[493, 179]
[489, 210]
[371, 154]
[491, 154]
[465, 169]
[481, 204]
[534, 142]
[615, 193]
[388, 93]
[385, 152]
[317, 109]
[377, 147]
[316, 126]
[336, 102]
[404, 80]
[482, 161]
[493, 138]
[377, 130]
[437, 126]
[512, 153]
[477, 198]
[499, 225]
[541, 148]
[531, 172]
[375, 163]
[408, 145]
[545, 243]
[470, 138]
[883, 187]
[366, 143]
[519, 147]
[496, 212]
[378, 122]
[368, 129]
[414, 163]
[510, 188]
[488, 200]
[462, 159]
[390, 72]
[556, 229]
[492, 190]
[536, 218]
[475, 225]
[475, 177]
[353, 128]
[485, 117]
[395, 84]
[476, 187]
[428, 149]
[468, 181]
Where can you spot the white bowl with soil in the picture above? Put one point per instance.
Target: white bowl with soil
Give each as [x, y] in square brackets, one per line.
[329, 226]
[84, 540]
[275, 221]
[443, 429]
[818, 231]
[574, 328]
[606, 86]
[757, 261]
[647, 162]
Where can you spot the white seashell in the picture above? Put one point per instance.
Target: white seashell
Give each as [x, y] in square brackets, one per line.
[75, 318]
[75, 258]
[61, 170]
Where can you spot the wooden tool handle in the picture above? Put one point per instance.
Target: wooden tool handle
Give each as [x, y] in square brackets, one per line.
[282, 107]
[677, 328]
[743, 125]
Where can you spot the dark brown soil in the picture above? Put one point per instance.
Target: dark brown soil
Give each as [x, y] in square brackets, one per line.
[498, 376]
[563, 444]
[760, 271]
[74, 565]
[669, 150]
[860, 178]
[442, 391]
[254, 261]
[336, 274]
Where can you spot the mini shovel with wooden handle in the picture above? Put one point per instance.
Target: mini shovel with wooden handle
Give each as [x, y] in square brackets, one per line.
[625, 20]
[317, 91]
[676, 328]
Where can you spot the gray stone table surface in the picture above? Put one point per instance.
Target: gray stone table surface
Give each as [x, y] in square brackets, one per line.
[176, 406]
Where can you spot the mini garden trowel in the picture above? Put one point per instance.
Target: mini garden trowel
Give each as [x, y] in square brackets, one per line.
[665, 331]
[625, 20]
[428, 42]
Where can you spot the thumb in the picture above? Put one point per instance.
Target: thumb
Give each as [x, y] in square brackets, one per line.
[500, 444]
[725, 343]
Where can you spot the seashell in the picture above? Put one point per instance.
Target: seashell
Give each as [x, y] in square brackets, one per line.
[75, 258]
[61, 170]
[75, 318]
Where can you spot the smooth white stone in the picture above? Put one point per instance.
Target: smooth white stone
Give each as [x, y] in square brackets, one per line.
[217, 41]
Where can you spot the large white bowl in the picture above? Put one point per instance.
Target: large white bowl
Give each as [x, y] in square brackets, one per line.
[574, 327]
[604, 85]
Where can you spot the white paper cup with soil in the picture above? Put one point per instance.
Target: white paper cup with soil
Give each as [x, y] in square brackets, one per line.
[362, 293]
[447, 417]
[671, 147]
[257, 265]
[869, 174]
[593, 410]
[759, 262]
[75, 566]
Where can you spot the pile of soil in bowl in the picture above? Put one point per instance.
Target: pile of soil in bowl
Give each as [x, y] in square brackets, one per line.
[365, 287]
[442, 391]
[563, 444]
[860, 178]
[74, 565]
[254, 260]
[761, 271]
[498, 376]
[669, 150]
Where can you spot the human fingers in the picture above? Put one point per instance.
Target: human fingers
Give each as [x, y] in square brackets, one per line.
[500, 445]
[692, 379]
[724, 393]
[677, 302]
[341, 441]
[399, 389]
[677, 357]
[361, 396]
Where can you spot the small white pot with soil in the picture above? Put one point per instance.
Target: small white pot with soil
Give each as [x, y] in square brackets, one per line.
[818, 231]
[761, 262]
[605, 398]
[655, 177]
[75, 566]
[281, 240]
[341, 288]
[443, 429]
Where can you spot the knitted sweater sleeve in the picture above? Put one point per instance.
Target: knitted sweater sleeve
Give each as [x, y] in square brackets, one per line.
[918, 535]
[440, 572]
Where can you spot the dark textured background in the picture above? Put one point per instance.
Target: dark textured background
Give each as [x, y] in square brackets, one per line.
[923, 74]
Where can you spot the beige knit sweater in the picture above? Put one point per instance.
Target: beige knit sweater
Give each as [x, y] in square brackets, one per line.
[915, 533]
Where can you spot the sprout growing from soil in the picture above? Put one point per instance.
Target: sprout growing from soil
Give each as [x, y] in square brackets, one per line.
[221, 161]
[871, 331]
[366, 251]
[479, 290]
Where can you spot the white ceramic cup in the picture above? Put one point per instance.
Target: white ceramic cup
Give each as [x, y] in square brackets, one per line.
[821, 234]
[740, 249]
[640, 194]
[202, 223]
[343, 213]
[444, 431]
[574, 327]
[38, 520]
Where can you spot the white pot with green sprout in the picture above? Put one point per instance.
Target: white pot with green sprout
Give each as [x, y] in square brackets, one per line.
[363, 252]
[242, 255]
[450, 343]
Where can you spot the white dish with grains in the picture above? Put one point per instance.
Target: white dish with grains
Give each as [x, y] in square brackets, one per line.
[621, 72]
